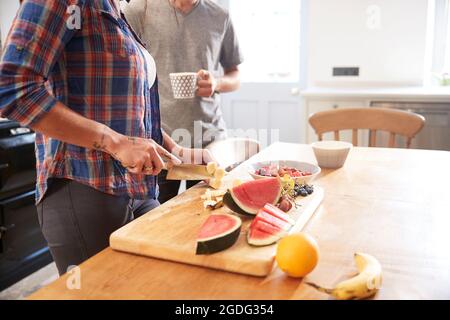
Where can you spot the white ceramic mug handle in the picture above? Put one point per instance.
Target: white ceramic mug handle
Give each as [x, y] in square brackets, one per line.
[197, 78]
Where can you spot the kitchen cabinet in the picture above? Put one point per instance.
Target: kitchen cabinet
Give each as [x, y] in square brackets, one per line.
[266, 112]
[23, 249]
[270, 122]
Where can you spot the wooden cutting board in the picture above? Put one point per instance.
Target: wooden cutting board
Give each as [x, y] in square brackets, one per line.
[169, 232]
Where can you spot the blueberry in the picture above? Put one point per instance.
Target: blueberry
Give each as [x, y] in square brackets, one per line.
[309, 189]
[303, 192]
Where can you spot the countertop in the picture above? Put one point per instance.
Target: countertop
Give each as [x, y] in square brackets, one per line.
[440, 94]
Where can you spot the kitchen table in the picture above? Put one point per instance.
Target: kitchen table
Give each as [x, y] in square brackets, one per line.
[391, 203]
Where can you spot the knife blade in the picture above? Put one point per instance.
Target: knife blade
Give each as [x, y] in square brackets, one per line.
[188, 172]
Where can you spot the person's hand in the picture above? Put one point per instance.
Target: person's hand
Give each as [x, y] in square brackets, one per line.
[142, 156]
[193, 156]
[207, 84]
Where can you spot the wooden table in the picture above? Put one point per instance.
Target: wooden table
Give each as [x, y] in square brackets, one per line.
[391, 203]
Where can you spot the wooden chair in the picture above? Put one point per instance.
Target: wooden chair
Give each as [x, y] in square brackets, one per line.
[233, 151]
[396, 122]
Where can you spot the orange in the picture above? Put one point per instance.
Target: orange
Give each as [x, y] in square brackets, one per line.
[297, 254]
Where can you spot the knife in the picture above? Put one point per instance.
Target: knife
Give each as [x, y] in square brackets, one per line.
[188, 172]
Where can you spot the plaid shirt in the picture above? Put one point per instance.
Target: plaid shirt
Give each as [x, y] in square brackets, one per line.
[98, 70]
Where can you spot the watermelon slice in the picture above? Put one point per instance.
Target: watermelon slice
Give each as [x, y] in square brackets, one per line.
[219, 232]
[249, 197]
[269, 226]
[229, 202]
[276, 212]
[266, 217]
[258, 237]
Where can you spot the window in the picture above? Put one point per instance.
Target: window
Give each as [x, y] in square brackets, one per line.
[269, 36]
[440, 35]
[446, 67]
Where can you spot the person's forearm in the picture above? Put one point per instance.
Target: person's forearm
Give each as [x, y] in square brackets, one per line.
[63, 124]
[229, 82]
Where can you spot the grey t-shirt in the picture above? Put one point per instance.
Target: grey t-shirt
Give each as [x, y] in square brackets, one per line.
[202, 39]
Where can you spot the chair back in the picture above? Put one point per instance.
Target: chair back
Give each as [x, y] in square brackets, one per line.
[396, 122]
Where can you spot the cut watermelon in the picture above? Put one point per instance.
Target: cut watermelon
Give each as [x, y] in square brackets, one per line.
[249, 197]
[268, 227]
[276, 212]
[264, 216]
[229, 202]
[258, 237]
[219, 232]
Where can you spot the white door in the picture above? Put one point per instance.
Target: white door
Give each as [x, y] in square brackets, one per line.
[272, 74]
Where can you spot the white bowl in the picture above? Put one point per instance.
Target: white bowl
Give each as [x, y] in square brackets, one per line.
[303, 166]
[331, 154]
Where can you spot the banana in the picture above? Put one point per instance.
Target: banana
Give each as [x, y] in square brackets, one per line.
[364, 285]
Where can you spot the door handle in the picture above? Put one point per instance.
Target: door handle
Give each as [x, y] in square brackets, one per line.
[20, 130]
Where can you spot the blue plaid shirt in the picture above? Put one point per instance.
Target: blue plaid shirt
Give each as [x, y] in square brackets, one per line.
[98, 71]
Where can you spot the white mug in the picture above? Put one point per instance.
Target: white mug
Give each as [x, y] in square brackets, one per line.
[184, 84]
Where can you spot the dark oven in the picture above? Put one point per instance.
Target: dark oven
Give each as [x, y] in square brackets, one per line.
[22, 246]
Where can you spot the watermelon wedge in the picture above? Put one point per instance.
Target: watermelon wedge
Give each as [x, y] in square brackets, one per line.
[249, 197]
[269, 226]
[258, 237]
[219, 232]
[276, 212]
[270, 219]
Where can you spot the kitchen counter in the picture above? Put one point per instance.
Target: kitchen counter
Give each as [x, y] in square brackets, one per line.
[374, 204]
[438, 94]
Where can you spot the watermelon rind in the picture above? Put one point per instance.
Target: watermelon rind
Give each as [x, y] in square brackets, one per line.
[271, 225]
[253, 210]
[221, 241]
[269, 240]
[229, 202]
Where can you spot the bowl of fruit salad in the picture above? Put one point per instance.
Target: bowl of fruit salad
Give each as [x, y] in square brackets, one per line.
[301, 172]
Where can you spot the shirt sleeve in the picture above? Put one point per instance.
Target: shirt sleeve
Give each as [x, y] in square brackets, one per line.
[38, 36]
[230, 55]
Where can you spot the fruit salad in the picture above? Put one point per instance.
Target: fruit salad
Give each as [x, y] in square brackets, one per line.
[275, 170]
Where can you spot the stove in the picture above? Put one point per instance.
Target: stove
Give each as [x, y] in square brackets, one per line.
[23, 249]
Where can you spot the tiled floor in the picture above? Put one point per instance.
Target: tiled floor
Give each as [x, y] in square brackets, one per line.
[30, 284]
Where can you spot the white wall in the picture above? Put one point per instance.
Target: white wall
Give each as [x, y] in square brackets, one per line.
[338, 35]
[8, 9]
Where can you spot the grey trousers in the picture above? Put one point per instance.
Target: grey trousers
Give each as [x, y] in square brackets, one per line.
[77, 220]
